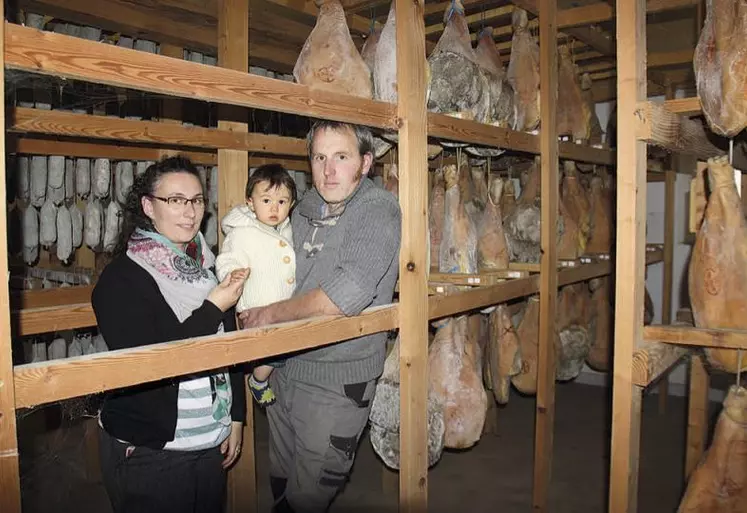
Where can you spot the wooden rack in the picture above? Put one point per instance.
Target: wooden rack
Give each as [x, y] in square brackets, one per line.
[64, 56]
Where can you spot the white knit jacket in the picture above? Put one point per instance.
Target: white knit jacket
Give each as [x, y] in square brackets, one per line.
[268, 252]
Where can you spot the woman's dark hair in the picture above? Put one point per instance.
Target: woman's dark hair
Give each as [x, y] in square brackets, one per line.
[145, 185]
[276, 174]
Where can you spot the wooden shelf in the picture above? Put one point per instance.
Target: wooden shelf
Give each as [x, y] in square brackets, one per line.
[653, 359]
[684, 106]
[701, 337]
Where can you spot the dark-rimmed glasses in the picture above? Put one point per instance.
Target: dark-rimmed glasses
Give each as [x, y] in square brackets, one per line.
[198, 202]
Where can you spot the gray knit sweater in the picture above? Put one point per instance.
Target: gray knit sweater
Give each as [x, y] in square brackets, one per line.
[353, 258]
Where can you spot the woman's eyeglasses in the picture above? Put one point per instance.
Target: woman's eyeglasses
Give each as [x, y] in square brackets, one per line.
[181, 202]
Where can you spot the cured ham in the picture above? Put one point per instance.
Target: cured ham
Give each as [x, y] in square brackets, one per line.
[528, 333]
[523, 224]
[384, 416]
[436, 217]
[101, 178]
[718, 266]
[329, 59]
[523, 73]
[458, 251]
[508, 198]
[720, 65]
[368, 50]
[573, 342]
[64, 234]
[38, 180]
[502, 110]
[458, 87]
[492, 250]
[503, 353]
[385, 61]
[82, 178]
[719, 482]
[595, 127]
[600, 353]
[30, 235]
[602, 208]
[573, 115]
[455, 376]
[23, 178]
[392, 180]
[576, 213]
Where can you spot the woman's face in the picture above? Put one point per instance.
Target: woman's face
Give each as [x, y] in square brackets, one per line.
[178, 223]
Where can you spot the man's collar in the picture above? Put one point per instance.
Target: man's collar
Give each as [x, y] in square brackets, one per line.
[312, 205]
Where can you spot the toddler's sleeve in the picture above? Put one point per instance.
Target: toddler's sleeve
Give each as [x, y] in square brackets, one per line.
[232, 255]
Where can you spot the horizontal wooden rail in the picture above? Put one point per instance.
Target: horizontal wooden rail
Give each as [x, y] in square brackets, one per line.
[32, 321]
[653, 359]
[48, 53]
[45, 298]
[58, 122]
[685, 106]
[701, 337]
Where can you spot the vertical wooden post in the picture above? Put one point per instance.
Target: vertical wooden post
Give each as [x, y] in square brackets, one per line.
[666, 302]
[697, 413]
[10, 482]
[545, 414]
[413, 281]
[631, 241]
[233, 171]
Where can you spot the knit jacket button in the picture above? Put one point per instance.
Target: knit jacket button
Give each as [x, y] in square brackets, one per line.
[291, 280]
[286, 259]
[283, 243]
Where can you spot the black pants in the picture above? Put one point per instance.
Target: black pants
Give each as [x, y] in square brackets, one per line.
[143, 480]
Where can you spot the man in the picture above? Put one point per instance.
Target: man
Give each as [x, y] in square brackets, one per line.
[346, 234]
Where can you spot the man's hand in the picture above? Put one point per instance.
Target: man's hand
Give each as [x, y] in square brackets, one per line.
[255, 317]
[231, 446]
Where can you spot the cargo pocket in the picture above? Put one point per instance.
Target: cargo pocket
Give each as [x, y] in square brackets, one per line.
[338, 461]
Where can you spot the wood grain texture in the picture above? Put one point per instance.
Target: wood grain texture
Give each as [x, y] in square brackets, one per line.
[45, 298]
[549, 191]
[413, 281]
[33, 321]
[657, 125]
[10, 482]
[56, 122]
[653, 360]
[66, 56]
[668, 274]
[685, 106]
[691, 336]
[630, 255]
[697, 413]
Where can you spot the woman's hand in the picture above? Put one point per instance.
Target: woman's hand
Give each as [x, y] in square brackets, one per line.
[228, 292]
[231, 446]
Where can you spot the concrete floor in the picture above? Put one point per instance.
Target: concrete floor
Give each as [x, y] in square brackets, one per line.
[495, 475]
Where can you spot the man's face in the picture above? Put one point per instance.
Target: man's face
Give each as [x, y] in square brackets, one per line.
[336, 165]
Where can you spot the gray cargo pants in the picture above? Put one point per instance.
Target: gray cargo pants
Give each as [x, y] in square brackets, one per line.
[314, 433]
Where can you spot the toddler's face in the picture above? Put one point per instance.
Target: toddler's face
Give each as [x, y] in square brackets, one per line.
[270, 204]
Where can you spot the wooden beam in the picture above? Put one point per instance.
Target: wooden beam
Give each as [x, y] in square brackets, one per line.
[545, 405]
[684, 106]
[65, 56]
[630, 256]
[10, 481]
[697, 413]
[653, 360]
[45, 298]
[702, 337]
[656, 125]
[57, 122]
[413, 280]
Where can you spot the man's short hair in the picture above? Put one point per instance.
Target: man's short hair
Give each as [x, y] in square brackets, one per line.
[363, 135]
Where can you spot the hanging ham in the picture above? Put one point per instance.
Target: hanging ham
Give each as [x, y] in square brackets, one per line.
[573, 113]
[30, 235]
[458, 87]
[528, 333]
[503, 353]
[492, 249]
[38, 180]
[523, 73]
[718, 266]
[64, 234]
[502, 108]
[600, 354]
[329, 59]
[719, 483]
[600, 240]
[458, 251]
[385, 61]
[595, 127]
[368, 50]
[720, 65]
[523, 224]
[455, 376]
[576, 213]
[23, 178]
[436, 214]
[573, 341]
[82, 178]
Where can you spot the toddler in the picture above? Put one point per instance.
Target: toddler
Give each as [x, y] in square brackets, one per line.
[259, 236]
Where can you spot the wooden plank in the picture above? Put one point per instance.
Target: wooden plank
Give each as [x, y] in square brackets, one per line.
[71, 124]
[630, 255]
[45, 298]
[691, 336]
[45, 320]
[685, 106]
[545, 405]
[56, 380]
[697, 413]
[668, 274]
[656, 125]
[454, 129]
[10, 482]
[653, 360]
[477, 280]
[413, 319]
[65, 56]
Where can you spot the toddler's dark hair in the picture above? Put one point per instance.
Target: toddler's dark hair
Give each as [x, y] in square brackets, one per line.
[276, 174]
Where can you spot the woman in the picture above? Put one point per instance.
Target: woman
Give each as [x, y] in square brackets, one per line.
[165, 446]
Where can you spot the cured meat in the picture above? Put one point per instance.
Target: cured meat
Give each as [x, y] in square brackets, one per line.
[23, 178]
[57, 349]
[213, 186]
[211, 227]
[523, 224]
[92, 225]
[99, 344]
[83, 178]
[123, 180]
[573, 115]
[479, 177]
[600, 240]
[502, 110]
[76, 220]
[492, 249]
[38, 180]
[48, 224]
[112, 225]
[30, 235]
[385, 61]
[600, 354]
[101, 179]
[572, 342]
[595, 127]
[329, 59]
[720, 65]
[436, 217]
[384, 416]
[368, 51]
[56, 180]
[64, 234]
[719, 482]
[718, 266]
[455, 376]
[508, 198]
[458, 251]
[458, 87]
[528, 333]
[523, 73]
[576, 212]
[392, 180]
[69, 179]
[503, 353]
